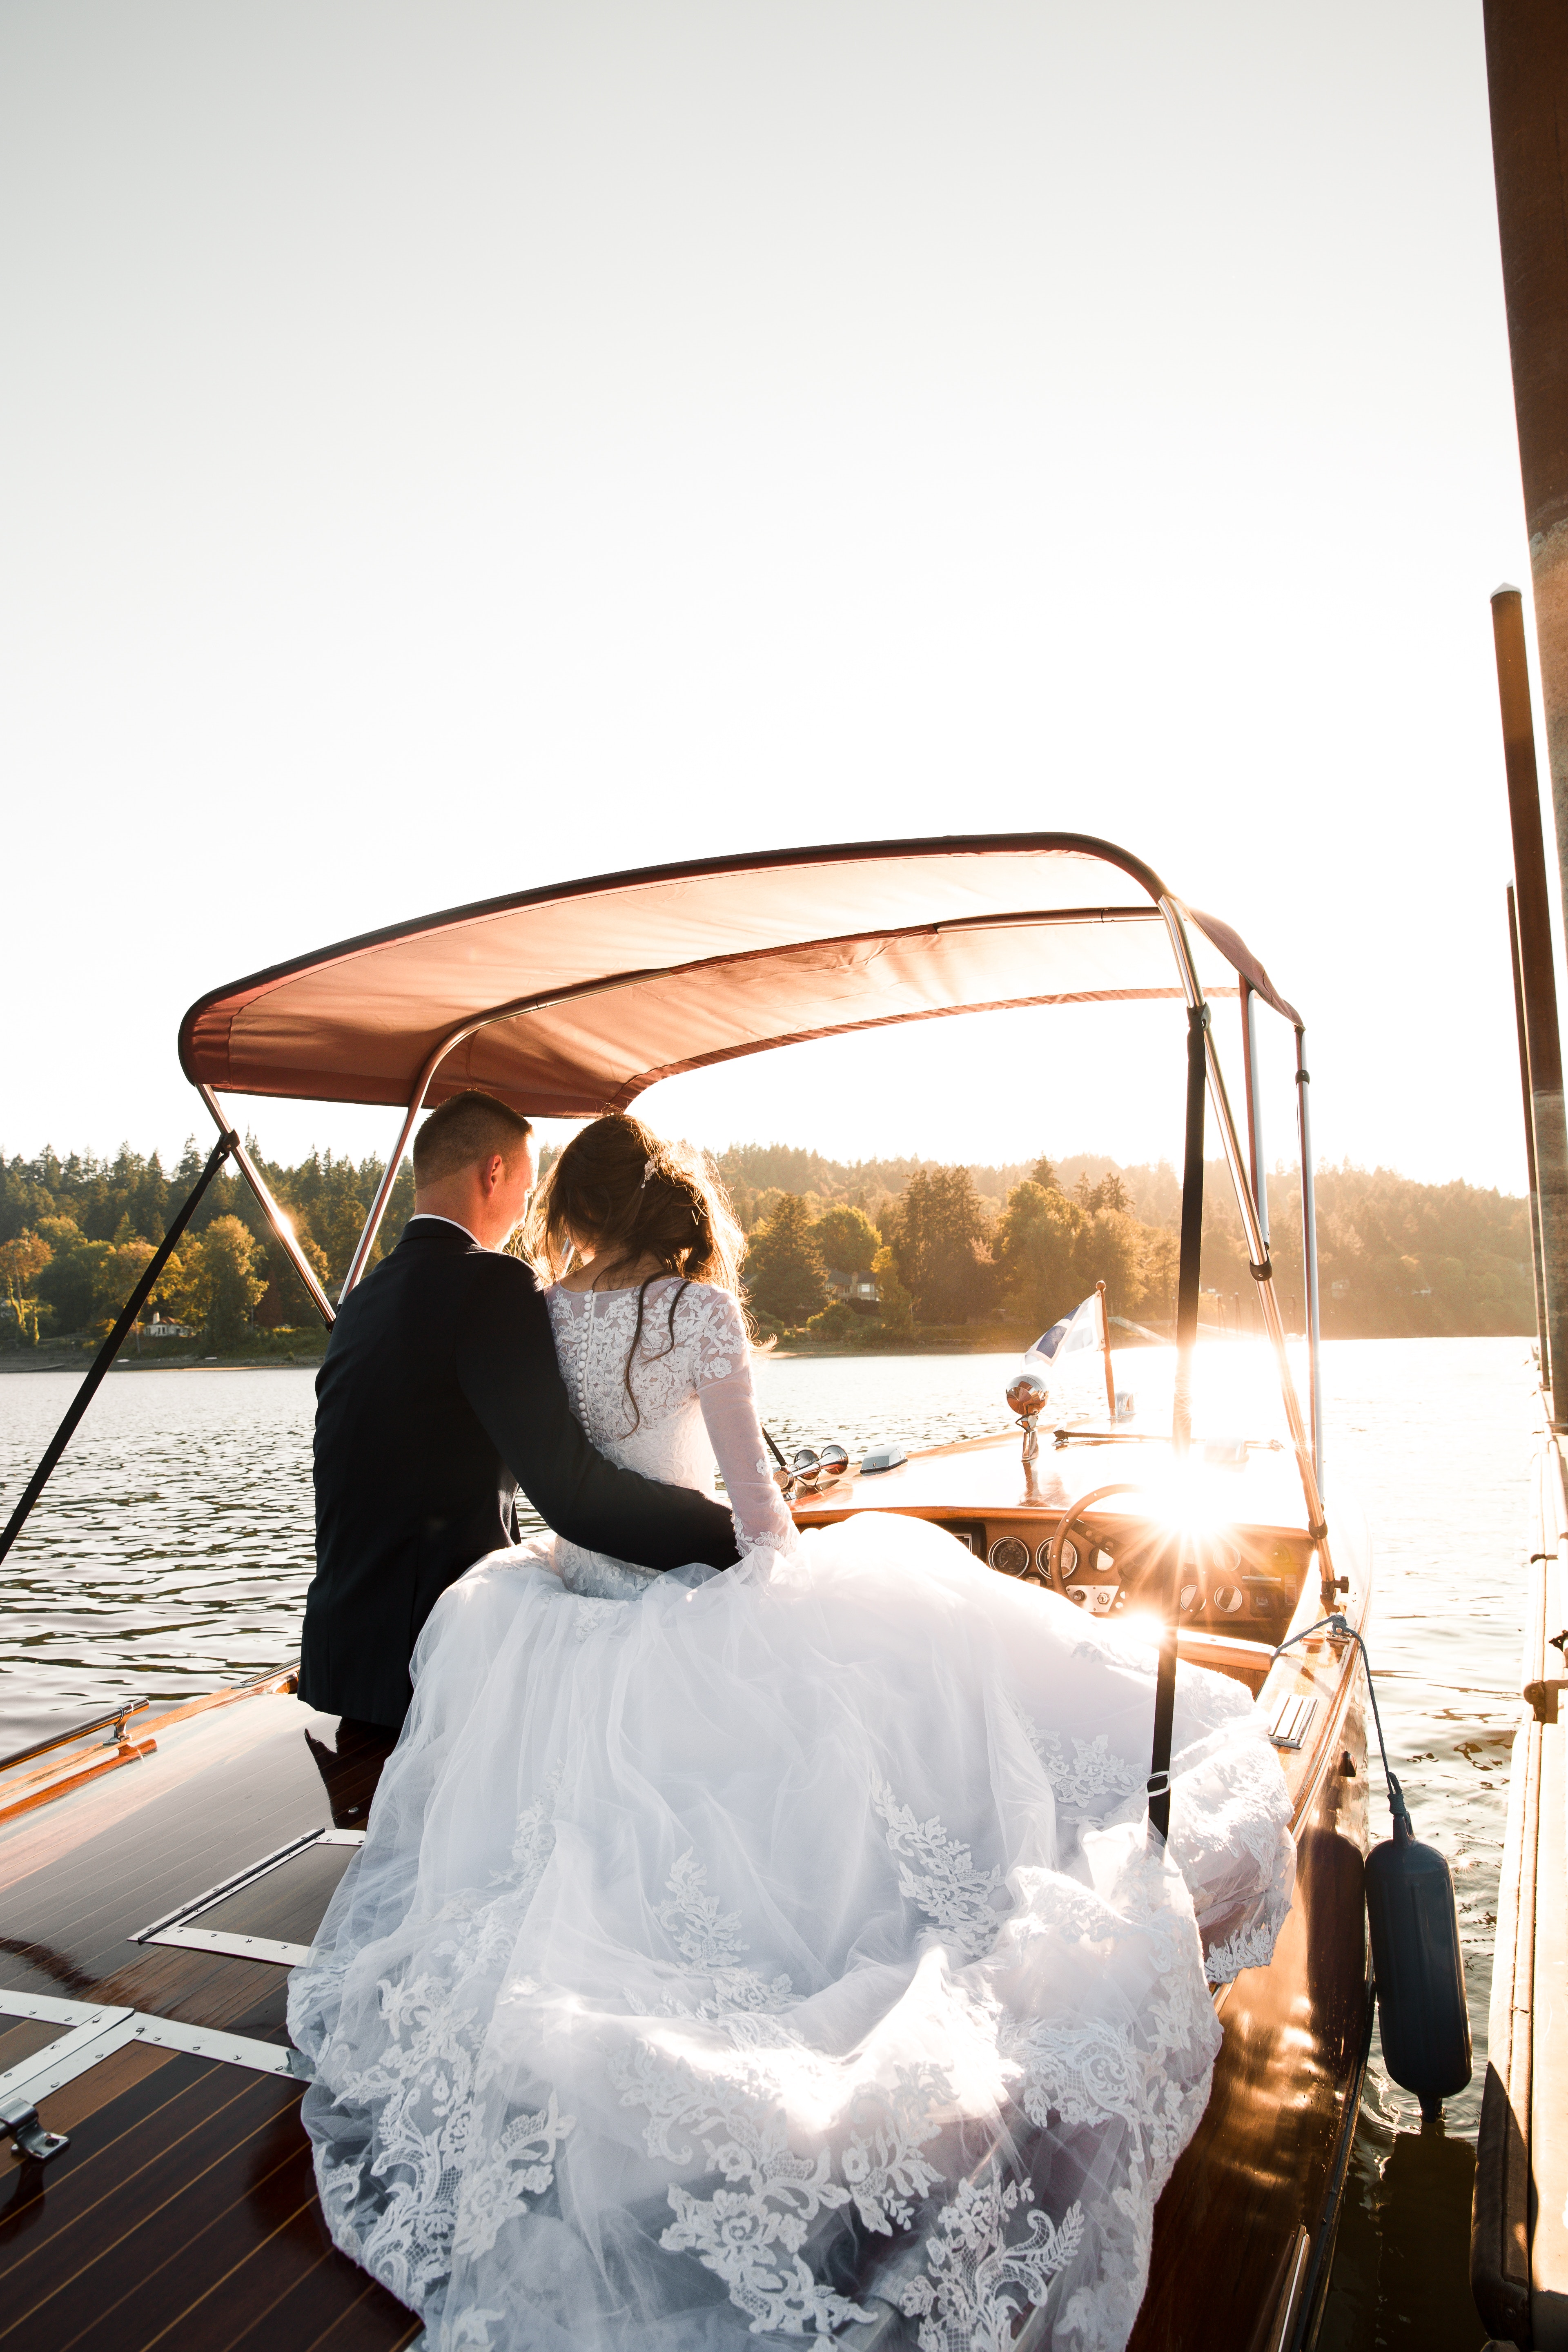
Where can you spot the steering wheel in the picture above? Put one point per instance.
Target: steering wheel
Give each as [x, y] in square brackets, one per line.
[1142, 1558]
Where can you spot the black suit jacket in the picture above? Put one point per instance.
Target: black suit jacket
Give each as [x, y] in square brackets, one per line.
[439, 1396]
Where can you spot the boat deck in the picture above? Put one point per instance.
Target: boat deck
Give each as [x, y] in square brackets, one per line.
[155, 1891]
[183, 2211]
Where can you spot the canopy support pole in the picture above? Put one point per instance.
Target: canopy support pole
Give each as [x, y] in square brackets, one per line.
[1254, 1103]
[270, 1210]
[366, 1241]
[1537, 1263]
[422, 1085]
[1258, 1247]
[228, 1141]
[1188, 1280]
[1310, 1250]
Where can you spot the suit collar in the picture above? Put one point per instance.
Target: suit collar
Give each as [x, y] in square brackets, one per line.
[431, 1232]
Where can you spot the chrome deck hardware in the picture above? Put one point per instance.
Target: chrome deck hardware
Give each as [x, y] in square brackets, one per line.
[21, 2123]
[1292, 1722]
[1027, 1399]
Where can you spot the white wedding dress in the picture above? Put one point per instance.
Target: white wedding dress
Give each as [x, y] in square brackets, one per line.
[780, 1952]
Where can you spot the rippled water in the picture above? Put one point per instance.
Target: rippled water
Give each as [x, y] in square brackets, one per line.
[172, 1550]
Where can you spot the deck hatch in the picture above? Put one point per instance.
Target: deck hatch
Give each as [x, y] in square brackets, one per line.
[249, 1915]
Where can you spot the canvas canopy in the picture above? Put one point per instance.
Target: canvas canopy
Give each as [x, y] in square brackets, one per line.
[568, 1001]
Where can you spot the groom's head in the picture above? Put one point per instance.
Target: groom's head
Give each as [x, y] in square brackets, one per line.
[473, 1161]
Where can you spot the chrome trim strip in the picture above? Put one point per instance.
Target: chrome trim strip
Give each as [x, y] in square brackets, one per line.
[206, 2041]
[52, 2011]
[92, 2037]
[99, 2030]
[233, 1947]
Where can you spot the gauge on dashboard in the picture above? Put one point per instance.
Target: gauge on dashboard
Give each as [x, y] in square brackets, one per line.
[1229, 1599]
[1010, 1554]
[1192, 1600]
[1068, 1563]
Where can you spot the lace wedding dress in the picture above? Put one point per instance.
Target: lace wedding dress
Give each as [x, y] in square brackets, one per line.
[778, 1953]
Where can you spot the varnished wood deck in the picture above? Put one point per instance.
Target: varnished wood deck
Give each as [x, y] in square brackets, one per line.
[183, 2212]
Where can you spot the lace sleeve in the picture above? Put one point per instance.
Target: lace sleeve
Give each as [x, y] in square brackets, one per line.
[730, 1414]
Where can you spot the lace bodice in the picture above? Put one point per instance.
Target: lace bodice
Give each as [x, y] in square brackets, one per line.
[690, 1404]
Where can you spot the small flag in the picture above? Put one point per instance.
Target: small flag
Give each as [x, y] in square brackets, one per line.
[1070, 1358]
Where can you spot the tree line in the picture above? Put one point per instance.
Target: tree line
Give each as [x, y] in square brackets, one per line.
[77, 1234]
[945, 1247]
[955, 1245]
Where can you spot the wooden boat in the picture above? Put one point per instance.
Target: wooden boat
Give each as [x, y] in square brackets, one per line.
[1519, 2244]
[159, 1874]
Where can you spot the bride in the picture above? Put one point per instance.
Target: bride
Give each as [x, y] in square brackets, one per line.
[777, 1952]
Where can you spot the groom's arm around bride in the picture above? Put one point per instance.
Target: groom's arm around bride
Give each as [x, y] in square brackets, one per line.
[439, 1397]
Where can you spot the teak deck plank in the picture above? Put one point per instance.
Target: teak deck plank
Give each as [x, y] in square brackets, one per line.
[307, 2286]
[255, 2204]
[361, 2328]
[153, 2148]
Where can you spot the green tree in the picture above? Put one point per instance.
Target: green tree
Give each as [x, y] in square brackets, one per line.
[67, 1286]
[223, 1282]
[1110, 1249]
[1037, 1251]
[896, 1310]
[115, 1275]
[943, 1246]
[784, 1273]
[22, 1261]
[338, 1215]
[847, 1240]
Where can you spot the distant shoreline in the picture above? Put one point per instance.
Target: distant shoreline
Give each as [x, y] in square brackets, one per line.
[45, 1360]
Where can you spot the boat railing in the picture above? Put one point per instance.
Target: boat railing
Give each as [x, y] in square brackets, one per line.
[116, 1717]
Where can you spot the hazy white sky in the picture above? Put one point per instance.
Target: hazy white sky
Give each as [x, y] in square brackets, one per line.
[451, 448]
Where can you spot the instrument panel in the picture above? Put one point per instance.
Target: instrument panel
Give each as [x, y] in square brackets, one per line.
[1249, 1584]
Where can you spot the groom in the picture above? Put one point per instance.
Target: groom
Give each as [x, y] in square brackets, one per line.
[439, 1398]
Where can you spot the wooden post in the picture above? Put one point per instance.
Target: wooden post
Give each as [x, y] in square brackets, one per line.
[1527, 81]
[1533, 910]
[1529, 1145]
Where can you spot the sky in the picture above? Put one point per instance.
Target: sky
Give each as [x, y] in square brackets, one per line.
[450, 448]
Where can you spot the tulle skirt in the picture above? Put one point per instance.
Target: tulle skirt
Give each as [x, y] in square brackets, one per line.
[777, 1953]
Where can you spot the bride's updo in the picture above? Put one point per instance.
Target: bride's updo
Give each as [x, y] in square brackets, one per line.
[625, 1197]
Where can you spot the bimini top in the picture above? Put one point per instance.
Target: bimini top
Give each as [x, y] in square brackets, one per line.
[570, 1001]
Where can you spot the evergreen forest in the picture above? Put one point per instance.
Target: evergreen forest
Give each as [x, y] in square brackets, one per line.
[873, 1254]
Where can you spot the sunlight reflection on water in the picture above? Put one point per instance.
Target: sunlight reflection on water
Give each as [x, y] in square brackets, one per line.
[173, 1546]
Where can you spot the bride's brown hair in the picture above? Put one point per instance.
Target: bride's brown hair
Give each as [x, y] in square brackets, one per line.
[627, 1196]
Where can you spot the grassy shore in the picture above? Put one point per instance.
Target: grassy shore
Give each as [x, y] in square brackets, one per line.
[74, 1355]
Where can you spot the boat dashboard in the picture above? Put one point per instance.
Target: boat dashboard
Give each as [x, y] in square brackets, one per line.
[1246, 1554]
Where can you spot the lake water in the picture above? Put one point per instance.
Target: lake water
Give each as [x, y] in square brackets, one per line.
[172, 1550]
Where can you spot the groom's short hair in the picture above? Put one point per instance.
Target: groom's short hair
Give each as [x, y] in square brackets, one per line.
[467, 1128]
